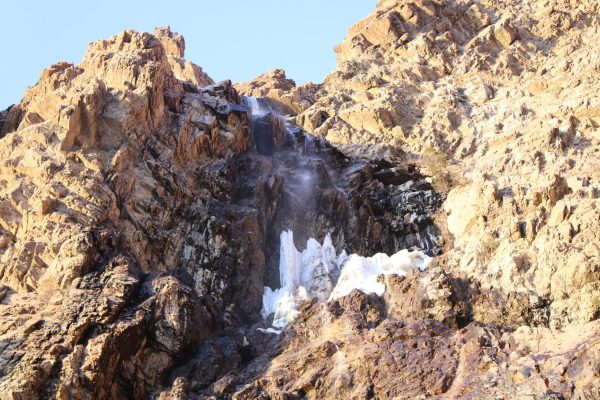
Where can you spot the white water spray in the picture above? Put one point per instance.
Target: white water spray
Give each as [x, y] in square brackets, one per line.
[254, 106]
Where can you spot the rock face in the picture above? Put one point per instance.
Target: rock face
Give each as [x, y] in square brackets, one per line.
[140, 219]
[141, 206]
[99, 185]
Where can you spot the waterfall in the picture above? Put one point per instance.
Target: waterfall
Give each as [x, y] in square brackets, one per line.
[269, 128]
[254, 106]
[319, 271]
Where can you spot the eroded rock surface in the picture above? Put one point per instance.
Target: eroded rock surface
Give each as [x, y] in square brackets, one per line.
[99, 180]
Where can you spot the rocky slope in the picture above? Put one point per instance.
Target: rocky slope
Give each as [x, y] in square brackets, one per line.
[141, 205]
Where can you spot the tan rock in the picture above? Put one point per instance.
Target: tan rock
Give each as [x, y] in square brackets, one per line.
[559, 213]
[504, 33]
[275, 86]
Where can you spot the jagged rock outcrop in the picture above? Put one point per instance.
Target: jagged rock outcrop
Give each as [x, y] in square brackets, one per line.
[351, 349]
[98, 181]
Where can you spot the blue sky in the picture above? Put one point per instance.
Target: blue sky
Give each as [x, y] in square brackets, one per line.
[230, 39]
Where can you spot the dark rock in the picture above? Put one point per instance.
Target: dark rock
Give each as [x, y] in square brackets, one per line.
[225, 385]
[3, 117]
[213, 360]
[3, 292]
[9, 120]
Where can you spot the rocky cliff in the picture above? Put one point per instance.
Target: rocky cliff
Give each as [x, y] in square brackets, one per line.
[141, 205]
[140, 216]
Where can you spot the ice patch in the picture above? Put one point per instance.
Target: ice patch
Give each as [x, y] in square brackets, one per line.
[361, 272]
[312, 273]
[303, 275]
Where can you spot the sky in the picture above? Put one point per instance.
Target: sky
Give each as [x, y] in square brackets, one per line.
[229, 39]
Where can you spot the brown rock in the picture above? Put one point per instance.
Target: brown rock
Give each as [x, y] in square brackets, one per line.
[275, 86]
